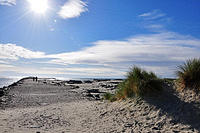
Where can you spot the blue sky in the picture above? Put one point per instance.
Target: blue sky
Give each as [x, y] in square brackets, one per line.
[96, 38]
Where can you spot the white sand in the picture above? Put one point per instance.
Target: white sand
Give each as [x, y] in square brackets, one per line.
[132, 116]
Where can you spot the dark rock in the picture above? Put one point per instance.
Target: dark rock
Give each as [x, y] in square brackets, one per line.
[115, 82]
[93, 91]
[111, 86]
[99, 80]
[88, 81]
[1, 93]
[119, 79]
[56, 84]
[97, 96]
[128, 125]
[77, 87]
[12, 85]
[155, 128]
[90, 95]
[103, 85]
[5, 88]
[174, 131]
[74, 82]
[74, 87]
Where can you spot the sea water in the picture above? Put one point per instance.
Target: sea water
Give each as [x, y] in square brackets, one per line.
[7, 81]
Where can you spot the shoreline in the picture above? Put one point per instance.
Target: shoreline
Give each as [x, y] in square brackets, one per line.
[67, 79]
[5, 88]
[56, 90]
[5, 82]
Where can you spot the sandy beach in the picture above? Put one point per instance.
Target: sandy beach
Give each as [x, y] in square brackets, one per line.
[99, 66]
[56, 106]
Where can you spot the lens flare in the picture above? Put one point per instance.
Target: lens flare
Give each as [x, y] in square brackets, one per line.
[38, 6]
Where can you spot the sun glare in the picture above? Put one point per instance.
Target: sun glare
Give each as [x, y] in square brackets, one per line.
[38, 6]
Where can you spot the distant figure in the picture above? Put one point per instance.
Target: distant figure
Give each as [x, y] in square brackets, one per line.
[35, 79]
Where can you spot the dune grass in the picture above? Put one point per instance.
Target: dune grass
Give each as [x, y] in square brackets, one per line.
[138, 83]
[189, 75]
[109, 96]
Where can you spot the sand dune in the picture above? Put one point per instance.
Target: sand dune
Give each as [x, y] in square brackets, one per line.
[50, 106]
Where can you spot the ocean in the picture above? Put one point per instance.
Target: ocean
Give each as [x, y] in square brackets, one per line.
[7, 81]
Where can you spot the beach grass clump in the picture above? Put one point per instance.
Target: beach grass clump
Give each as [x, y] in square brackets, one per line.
[139, 83]
[189, 75]
[109, 96]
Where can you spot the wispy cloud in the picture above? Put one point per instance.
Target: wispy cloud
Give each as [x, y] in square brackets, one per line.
[159, 52]
[5, 67]
[8, 2]
[56, 71]
[72, 9]
[155, 27]
[155, 14]
[167, 46]
[14, 52]
[155, 21]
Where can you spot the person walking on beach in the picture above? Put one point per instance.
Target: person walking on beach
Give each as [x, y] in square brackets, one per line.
[35, 79]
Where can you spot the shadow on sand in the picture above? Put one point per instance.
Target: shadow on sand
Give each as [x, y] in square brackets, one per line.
[180, 111]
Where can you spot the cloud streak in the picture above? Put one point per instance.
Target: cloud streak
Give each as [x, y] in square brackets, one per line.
[155, 14]
[8, 2]
[149, 51]
[167, 46]
[158, 52]
[72, 9]
[14, 52]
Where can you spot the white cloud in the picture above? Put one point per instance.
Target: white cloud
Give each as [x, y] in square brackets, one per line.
[160, 52]
[3, 62]
[4, 67]
[154, 47]
[14, 52]
[56, 71]
[155, 27]
[161, 47]
[8, 2]
[72, 9]
[155, 14]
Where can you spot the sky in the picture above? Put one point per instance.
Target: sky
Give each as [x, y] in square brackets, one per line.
[96, 38]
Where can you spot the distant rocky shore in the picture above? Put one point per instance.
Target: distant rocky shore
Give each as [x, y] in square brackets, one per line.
[90, 89]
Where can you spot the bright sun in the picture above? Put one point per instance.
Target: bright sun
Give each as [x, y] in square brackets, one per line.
[38, 6]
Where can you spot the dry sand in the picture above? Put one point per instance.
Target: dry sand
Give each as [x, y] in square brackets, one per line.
[52, 106]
